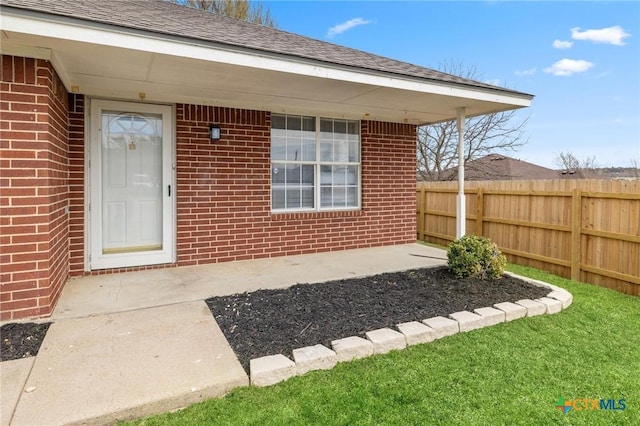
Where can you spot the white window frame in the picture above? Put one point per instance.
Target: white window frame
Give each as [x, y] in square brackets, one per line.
[317, 164]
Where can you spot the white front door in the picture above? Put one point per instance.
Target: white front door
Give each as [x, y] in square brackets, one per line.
[131, 185]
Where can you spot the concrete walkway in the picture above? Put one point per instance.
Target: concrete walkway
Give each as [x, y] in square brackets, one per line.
[128, 345]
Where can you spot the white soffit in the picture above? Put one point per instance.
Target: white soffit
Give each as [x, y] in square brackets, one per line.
[185, 70]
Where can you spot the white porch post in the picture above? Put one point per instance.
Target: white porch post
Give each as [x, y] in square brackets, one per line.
[461, 208]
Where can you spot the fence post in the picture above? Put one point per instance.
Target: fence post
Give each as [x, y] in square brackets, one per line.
[479, 212]
[421, 202]
[576, 225]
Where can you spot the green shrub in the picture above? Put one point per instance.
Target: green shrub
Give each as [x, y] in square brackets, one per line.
[472, 256]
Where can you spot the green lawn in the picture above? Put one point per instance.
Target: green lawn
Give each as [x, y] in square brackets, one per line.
[510, 374]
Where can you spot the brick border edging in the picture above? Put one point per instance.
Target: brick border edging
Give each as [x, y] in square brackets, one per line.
[272, 369]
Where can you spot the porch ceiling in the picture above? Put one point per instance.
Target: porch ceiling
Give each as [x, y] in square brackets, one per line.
[119, 64]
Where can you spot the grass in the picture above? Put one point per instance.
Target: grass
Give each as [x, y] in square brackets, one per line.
[511, 373]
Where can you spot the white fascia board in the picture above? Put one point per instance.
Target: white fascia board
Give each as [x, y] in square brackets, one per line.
[100, 34]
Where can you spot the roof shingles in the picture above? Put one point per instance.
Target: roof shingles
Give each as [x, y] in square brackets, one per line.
[501, 167]
[163, 17]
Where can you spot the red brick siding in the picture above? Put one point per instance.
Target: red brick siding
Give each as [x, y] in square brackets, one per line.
[223, 186]
[76, 185]
[33, 187]
[58, 185]
[224, 195]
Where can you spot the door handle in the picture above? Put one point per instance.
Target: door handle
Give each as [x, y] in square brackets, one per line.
[169, 187]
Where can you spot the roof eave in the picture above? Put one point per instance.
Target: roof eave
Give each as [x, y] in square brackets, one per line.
[85, 31]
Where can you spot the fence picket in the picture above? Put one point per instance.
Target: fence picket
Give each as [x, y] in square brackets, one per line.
[587, 230]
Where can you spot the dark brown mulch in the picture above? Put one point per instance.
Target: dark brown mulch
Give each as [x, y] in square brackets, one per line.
[21, 340]
[269, 322]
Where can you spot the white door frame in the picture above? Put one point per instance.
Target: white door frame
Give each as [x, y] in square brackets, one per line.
[94, 257]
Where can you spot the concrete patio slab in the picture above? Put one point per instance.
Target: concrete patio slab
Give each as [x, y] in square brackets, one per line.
[132, 364]
[316, 357]
[416, 332]
[13, 376]
[98, 294]
[386, 340]
[442, 326]
[271, 369]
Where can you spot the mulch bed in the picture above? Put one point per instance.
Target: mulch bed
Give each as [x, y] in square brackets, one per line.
[21, 340]
[268, 322]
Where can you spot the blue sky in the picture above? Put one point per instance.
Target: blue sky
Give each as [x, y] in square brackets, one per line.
[581, 60]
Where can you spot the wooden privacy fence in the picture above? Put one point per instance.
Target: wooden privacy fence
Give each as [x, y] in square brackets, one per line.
[586, 230]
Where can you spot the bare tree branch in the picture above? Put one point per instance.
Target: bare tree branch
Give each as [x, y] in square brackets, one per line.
[437, 143]
[239, 9]
[568, 161]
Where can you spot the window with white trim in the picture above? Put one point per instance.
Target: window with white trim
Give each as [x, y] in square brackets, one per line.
[315, 163]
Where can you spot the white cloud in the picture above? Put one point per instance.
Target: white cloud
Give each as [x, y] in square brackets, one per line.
[567, 67]
[612, 35]
[530, 71]
[345, 26]
[560, 44]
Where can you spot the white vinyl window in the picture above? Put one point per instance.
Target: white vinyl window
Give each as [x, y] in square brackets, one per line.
[315, 163]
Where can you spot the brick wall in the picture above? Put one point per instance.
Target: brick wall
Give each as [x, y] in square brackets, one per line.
[76, 185]
[224, 195]
[33, 187]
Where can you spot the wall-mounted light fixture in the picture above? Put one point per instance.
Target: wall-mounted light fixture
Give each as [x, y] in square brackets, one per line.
[214, 132]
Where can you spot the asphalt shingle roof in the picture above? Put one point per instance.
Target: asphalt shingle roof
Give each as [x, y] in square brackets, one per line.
[162, 17]
[501, 167]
